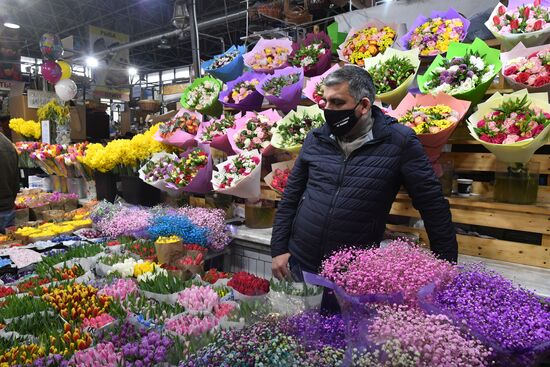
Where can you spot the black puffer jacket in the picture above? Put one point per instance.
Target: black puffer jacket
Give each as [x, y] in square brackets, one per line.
[331, 201]
[9, 174]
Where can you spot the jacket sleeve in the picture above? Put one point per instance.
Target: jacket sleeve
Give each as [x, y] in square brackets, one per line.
[287, 207]
[427, 197]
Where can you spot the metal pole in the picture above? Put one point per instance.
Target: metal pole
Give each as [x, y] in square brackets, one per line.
[194, 32]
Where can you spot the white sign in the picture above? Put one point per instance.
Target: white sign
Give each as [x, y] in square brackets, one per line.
[46, 132]
[38, 98]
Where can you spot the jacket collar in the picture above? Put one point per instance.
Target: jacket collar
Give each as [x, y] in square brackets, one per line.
[380, 129]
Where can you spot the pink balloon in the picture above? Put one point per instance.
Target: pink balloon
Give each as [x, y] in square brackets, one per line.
[51, 71]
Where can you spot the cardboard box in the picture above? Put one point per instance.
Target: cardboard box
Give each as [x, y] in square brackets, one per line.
[18, 108]
[155, 119]
[78, 122]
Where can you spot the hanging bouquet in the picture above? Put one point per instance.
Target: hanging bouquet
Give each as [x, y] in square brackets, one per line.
[522, 21]
[466, 73]
[241, 93]
[433, 118]
[283, 88]
[214, 132]
[289, 133]
[512, 126]
[54, 112]
[314, 86]
[268, 55]
[202, 96]
[374, 38]
[527, 67]
[253, 131]
[174, 174]
[226, 66]
[393, 73]
[433, 35]
[278, 177]
[27, 129]
[313, 54]
[180, 131]
[239, 175]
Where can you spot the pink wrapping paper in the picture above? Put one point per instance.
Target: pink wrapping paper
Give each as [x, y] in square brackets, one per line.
[312, 82]
[262, 44]
[241, 122]
[219, 142]
[432, 143]
[179, 138]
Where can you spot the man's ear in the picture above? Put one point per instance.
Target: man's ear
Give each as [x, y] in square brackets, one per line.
[365, 105]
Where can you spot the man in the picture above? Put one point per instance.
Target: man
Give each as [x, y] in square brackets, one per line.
[346, 178]
[9, 182]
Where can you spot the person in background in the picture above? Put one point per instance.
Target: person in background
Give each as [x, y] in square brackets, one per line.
[9, 182]
[346, 178]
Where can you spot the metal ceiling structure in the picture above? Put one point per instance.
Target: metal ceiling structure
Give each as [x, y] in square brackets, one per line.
[137, 18]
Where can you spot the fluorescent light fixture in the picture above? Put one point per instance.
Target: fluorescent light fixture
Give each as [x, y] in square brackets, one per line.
[11, 25]
[132, 71]
[92, 62]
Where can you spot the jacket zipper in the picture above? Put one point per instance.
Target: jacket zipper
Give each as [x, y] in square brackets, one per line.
[296, 215]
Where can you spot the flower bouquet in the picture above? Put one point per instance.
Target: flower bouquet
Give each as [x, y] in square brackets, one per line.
[361, 275]
[202, 96]
[169, 249]
[268, 55]
[248, 287]
[313, 54]
[374, 38]
[314, 86]
[512, 126]
[433, 118]
[289, 133]
[180, 131]
[289, 298]
[241, 93]
[226, 66]
[527, 68]
[214, 132]
[190, 265]
[283, 88]
[278, 176]
[253, 131]
[466, 72]
[239, 175]
[393, 73]
[522, 21]
[191, 172]
[27, 129]
[24, 150]
[433, 35]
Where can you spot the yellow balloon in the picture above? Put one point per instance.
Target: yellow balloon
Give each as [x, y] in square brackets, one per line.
[65, 69]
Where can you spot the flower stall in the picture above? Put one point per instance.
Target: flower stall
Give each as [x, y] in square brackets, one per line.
[171, 265]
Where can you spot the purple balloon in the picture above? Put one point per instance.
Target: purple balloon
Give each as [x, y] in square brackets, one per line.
[51, 71]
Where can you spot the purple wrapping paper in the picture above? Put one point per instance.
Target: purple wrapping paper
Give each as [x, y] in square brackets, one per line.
[254, 100]
[290, 95]
[324, 61]
[449, 14]
[513, 4]
[219, 142]
[201, 184]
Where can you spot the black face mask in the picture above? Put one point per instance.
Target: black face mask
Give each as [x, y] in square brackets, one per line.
[341, 122]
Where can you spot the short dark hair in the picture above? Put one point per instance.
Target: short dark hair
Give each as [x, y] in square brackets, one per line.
[359, 79]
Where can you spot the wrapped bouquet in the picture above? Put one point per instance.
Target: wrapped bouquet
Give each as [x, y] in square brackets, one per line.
[465, 73]
[214, 132]
[527, 67]
[242, 93]
[289, 133]
[393, 73]
[314, 86]
[313, 54]
[253, 131]
[279, 175]
[180, 131]
[239, 175]
[374, 38]
[226, 66]
[202, 96]
[269, 55]
[283, 88]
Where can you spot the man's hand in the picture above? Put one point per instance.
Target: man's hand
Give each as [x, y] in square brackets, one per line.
[279, 266]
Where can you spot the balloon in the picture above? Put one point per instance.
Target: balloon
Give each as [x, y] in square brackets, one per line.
[66, 89]
[51, 71]
[50, 46]
[65, 69]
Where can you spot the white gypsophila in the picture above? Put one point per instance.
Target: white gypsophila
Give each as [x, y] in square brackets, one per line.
[443, 88]
[489, 74]
[477, 63]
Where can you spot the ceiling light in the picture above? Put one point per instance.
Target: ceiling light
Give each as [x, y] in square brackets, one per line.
[132, 71]
[92, 62]
[164, 44]
[11, 25]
